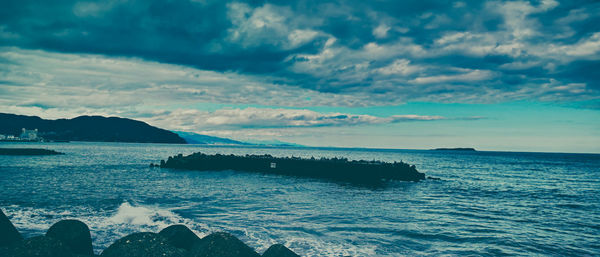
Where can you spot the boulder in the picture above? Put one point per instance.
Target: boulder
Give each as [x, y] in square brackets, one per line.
[180, 236]
[74, 234]
[8, 233]
[143, 244]
[279, 250]
[41, 246]
[222, 245]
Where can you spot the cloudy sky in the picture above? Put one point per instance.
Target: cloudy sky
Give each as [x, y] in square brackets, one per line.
[494, 75]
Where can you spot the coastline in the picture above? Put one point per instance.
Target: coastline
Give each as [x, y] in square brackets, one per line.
[28, 151]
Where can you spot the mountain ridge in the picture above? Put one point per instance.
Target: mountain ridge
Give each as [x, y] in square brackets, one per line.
[89, 128]
[195, 138]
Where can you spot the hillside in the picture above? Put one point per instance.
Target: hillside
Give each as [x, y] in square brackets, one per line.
[89, 128]
[194, 138]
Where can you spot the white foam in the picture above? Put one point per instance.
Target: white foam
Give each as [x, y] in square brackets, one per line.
[310, 246]
[143, 216]
[106, 226]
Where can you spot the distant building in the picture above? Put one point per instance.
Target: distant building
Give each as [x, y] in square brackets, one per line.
[2, 137]
[29, 134]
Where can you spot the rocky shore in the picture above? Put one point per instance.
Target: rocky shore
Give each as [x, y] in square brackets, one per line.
[340, 169]
[72, 238]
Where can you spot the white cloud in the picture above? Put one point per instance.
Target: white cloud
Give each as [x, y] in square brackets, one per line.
[301, 36]
[469, 75]
[400, 66]
[55, 80]
[516, 16]
[381, 31]
[252, 118]
[267, 25]
[587, 47]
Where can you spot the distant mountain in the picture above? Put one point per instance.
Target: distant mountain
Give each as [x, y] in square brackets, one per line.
[468, 149]
[273, 143]
[89, 128]
[194, 138]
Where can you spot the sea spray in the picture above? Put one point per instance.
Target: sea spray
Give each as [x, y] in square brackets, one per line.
[105, 226]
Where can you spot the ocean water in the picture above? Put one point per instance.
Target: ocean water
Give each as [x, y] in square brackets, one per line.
[486, 203]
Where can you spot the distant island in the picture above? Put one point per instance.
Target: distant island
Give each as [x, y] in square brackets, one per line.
[342, 169]
[455, 149]
[27, 151]
[83, 128]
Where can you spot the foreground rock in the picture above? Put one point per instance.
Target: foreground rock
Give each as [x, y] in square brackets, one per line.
[71, 238]
[222, 244]
[279, 250]
[41, 246]
[8, 233]
[27, 151]
[74, 234]
[144, 244]
[180, 236]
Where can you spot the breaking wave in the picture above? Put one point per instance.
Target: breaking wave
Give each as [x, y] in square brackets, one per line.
[105, 226]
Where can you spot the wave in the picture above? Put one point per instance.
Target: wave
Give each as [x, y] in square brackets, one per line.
[105, 226]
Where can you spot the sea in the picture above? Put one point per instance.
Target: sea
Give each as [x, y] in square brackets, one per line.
[485, 203]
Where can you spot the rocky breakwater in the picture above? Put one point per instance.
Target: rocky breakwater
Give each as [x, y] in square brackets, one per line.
[340, 169]
[71, 238]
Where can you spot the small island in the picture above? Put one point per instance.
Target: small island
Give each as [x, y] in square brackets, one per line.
[340, 169]
[27, 151]
[466, 149]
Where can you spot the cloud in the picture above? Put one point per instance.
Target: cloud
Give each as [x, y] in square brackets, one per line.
[400, 66]
[381, 31]
[262, 118]
[354, 52]
[468, 75]
[94, 82]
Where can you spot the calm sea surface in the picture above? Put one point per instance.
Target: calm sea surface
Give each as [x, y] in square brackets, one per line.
[487, 203]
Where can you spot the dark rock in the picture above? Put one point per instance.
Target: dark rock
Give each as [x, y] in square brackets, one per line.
[361, 172]
[180, 236]
[8, 233]
[144, 244]
[74, 234]
[41, 246]
[222, 245]
[279, 250]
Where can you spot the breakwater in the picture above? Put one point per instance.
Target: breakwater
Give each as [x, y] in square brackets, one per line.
[326, 168]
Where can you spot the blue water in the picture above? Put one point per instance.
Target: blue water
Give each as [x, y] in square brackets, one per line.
[487, 203]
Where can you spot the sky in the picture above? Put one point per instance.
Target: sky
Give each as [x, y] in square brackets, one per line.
[413, 74]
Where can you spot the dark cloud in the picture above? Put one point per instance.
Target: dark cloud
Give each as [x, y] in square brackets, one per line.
[457, 51]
